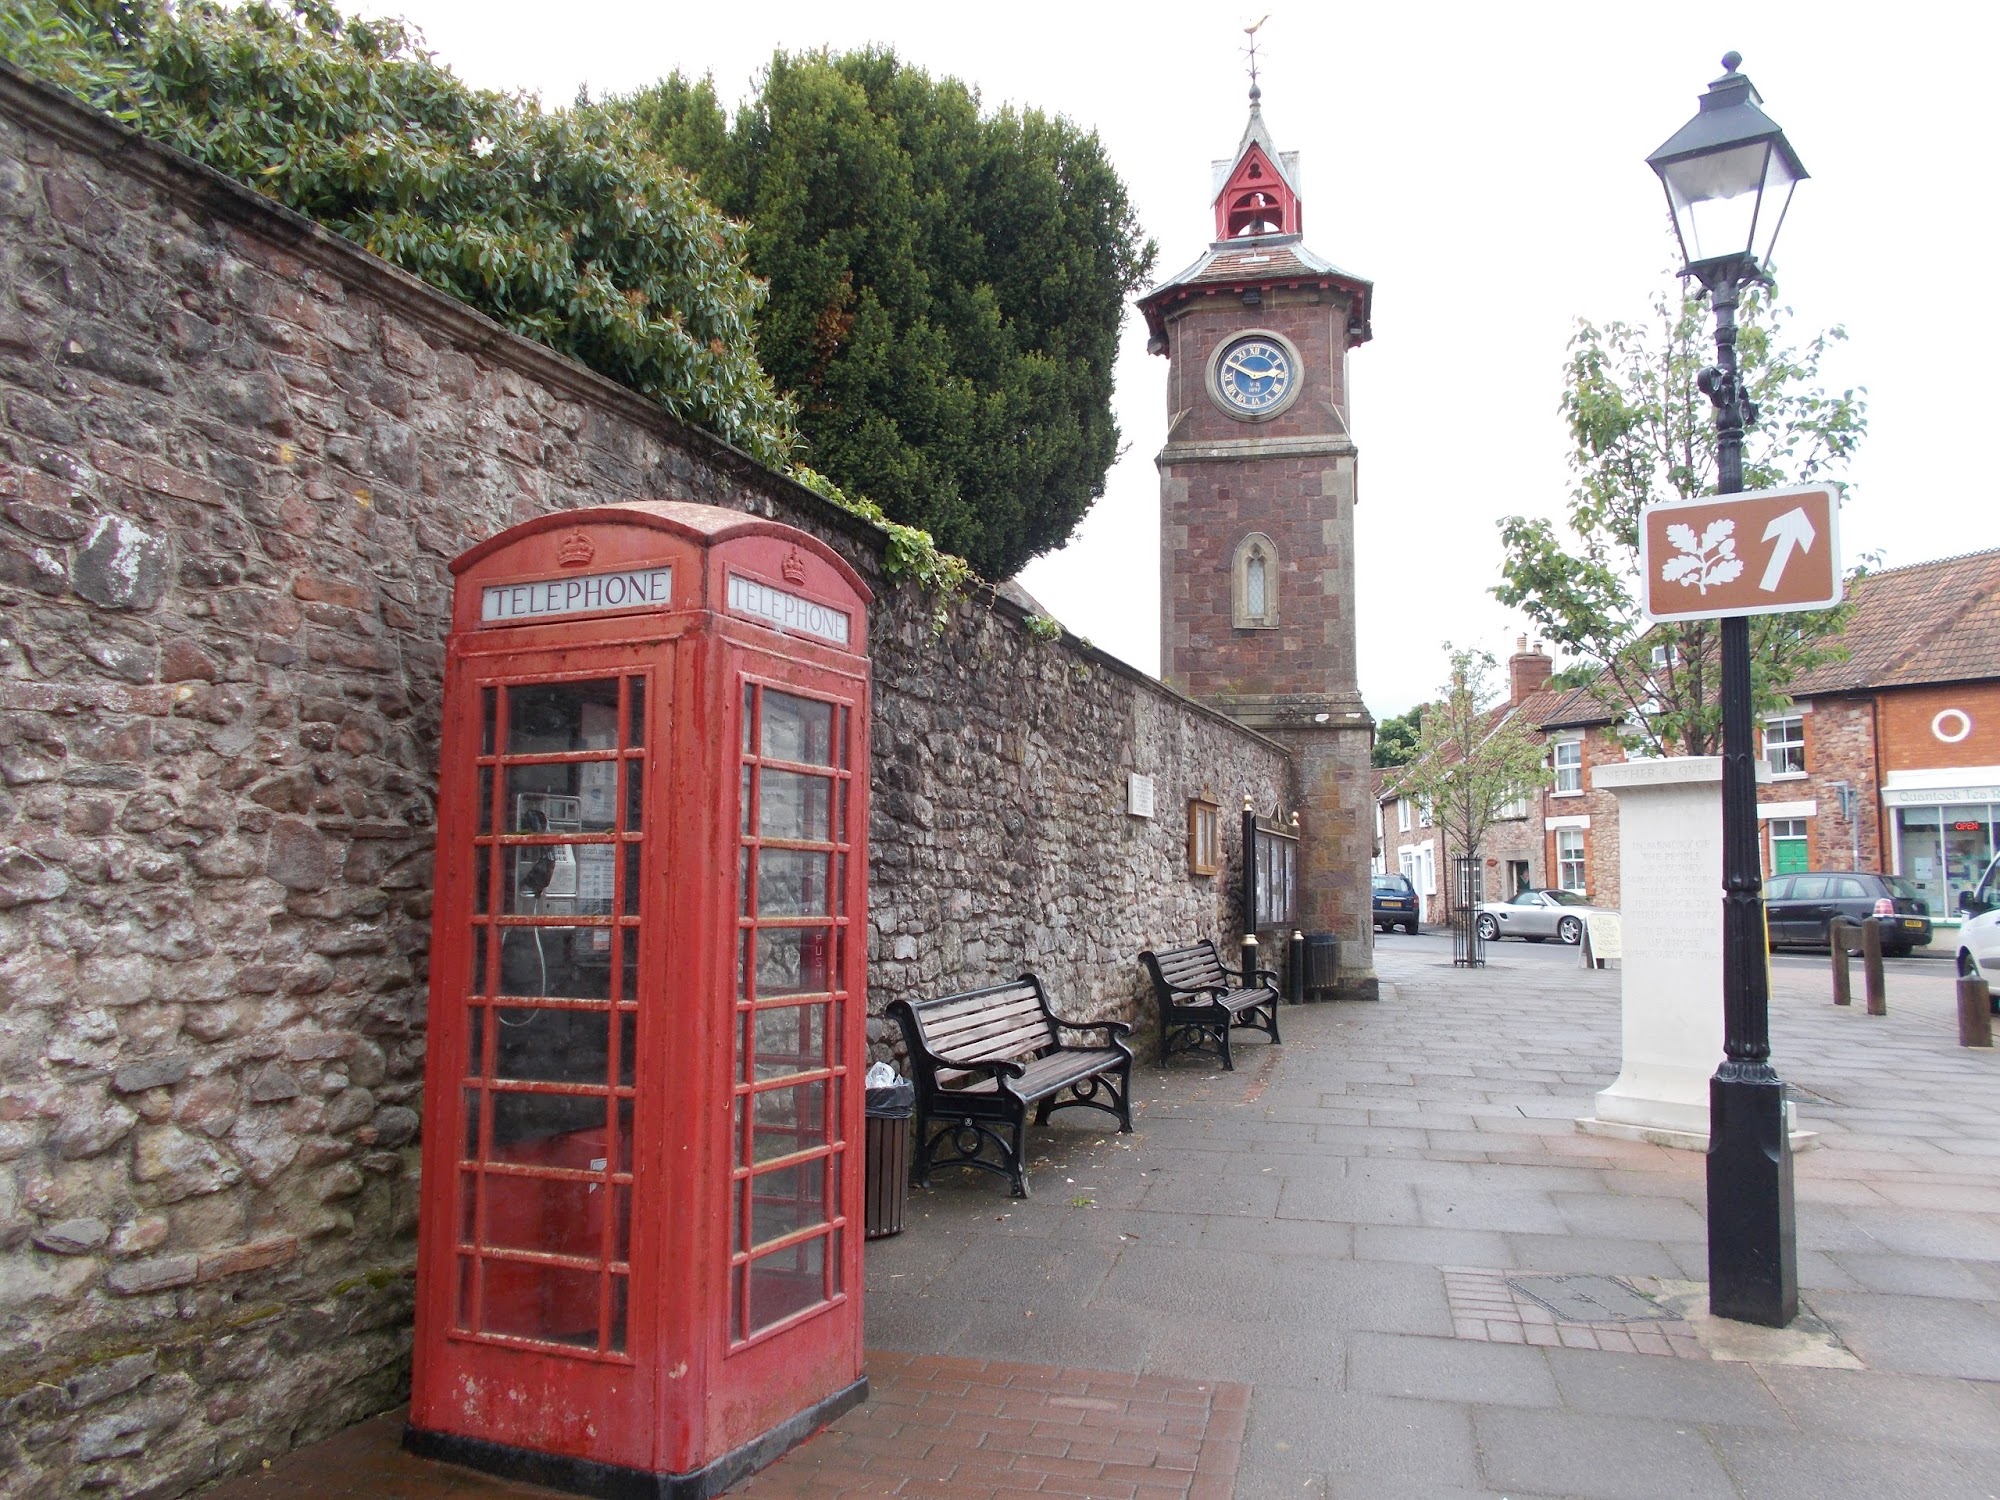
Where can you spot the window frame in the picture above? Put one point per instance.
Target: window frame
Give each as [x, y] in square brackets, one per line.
[1793, 748]
[1580, 859]
[1556, 749]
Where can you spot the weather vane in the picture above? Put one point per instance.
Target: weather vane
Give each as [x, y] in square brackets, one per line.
[1251, 51]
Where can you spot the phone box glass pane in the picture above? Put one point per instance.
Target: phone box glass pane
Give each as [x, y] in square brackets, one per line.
[556, 1215]
[549, 718]
[556, 1304]
[797, 729]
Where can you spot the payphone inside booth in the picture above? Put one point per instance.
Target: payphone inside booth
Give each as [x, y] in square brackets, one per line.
[640, 1247]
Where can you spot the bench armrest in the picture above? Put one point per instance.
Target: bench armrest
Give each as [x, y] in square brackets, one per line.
[1251, 977]
[1115, 1028]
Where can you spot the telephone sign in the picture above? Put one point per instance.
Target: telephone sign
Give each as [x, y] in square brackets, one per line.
[1762, 552]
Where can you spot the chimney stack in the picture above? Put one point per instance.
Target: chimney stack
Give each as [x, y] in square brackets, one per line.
[1528, 672]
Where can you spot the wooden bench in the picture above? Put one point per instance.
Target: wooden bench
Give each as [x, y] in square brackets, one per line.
[1202, 1000]
[980, 1058]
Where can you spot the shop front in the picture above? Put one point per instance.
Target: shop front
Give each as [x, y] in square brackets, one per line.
[1944, 828]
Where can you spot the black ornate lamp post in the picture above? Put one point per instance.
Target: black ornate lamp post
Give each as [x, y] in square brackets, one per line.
[1729, 174]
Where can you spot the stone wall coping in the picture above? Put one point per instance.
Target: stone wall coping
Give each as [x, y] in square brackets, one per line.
[202, 190]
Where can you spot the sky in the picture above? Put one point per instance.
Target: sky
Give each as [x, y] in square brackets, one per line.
[1484, 166]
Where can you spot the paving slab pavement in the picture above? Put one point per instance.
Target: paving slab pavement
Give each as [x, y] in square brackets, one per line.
[1348, 1229]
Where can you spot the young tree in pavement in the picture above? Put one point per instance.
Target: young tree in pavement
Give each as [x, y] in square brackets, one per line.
[1472, 758]
[946, 286]
[1642, 433]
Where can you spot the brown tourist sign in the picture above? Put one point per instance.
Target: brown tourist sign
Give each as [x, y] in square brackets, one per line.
[1763, 552]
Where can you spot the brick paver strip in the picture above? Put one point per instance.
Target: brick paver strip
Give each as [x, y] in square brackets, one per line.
[1484, 1307]
[934, 1429]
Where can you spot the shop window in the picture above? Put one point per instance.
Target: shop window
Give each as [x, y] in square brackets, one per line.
[1568, 765]
[1788, 846]
[1569, 859]
[1785, 745]
[1254, 583]
[1943, 849]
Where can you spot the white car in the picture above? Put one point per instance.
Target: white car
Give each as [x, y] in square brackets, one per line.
[1979, 933]
[1538, 916]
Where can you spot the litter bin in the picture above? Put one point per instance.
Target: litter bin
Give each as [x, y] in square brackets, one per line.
[887, 1169]
[1322, 964]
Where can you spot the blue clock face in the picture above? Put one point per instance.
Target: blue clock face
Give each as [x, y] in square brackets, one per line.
[1254, 375]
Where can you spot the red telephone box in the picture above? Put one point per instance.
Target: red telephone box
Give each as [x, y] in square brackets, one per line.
[640, 1250]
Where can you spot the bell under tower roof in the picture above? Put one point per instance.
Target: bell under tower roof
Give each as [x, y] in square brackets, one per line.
[1258, 236]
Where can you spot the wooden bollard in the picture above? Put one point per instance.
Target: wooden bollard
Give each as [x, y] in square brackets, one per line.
[1871, 968]
[1975, 1012]
[1838, 934]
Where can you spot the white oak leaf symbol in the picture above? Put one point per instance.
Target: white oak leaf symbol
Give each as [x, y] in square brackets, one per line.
[1708, 559]
[1678, 567]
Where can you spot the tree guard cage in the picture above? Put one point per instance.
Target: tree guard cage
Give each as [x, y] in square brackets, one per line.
[1468, 951]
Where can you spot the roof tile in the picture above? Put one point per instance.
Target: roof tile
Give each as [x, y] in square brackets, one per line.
[1929, 622]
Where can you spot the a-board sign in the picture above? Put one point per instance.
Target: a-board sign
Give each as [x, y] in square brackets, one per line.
[1763, 552]
[1607, 939]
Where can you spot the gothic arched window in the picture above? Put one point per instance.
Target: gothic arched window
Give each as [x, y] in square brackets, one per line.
[1254, 583]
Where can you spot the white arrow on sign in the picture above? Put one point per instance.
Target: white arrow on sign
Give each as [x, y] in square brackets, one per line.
[1793, 529]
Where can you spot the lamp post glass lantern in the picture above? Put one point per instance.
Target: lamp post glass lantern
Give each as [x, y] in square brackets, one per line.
[1729, 174]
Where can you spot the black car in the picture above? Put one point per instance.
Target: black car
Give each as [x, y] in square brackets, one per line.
[1395, 903]
[1801, 908]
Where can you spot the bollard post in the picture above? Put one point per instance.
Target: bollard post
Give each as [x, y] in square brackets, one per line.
[1295, 968]
[1975, 1012]
[1871, 967]
[1248, 954]
[1843, 983]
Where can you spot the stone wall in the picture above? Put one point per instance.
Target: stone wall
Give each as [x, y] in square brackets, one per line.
[237, 457]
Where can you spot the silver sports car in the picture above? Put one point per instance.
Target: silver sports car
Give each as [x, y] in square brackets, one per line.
[1536, 915]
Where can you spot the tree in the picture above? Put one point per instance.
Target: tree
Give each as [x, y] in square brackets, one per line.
[562, 225]
[1472, 759]
[1643, 432]
[1396, 739]
[946, 287]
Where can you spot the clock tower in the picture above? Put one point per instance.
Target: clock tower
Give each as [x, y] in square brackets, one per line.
[1257, 495]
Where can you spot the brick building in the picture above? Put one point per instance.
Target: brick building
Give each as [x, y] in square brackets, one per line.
[1555, 835]
[1888, 760]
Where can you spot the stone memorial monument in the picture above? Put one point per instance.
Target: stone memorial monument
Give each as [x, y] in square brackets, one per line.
[1670, 880]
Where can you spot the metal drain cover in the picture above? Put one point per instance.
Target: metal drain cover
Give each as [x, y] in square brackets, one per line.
[1588, 1299]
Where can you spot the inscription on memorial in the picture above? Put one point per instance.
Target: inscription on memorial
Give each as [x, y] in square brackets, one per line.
[1674, 902]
